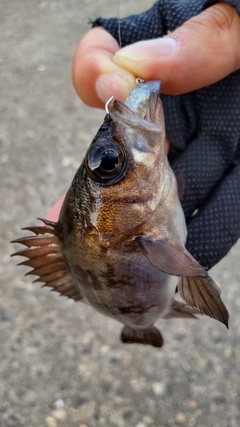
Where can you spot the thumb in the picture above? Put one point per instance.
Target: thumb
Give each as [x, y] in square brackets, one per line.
[202, 51]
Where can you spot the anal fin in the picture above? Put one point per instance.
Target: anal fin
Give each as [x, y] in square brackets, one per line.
[44, 255]
[148, 336]
[203, 294]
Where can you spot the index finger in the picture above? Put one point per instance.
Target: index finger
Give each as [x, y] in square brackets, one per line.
[95, 77]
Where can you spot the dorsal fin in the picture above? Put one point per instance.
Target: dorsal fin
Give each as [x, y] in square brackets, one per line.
[44, 255]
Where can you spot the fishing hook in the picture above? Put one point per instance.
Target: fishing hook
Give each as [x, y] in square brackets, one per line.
[139, 81]
[107, 104]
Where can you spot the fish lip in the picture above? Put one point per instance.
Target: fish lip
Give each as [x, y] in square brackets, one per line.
[121, 115]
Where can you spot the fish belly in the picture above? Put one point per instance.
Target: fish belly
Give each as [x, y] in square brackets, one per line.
[131, 291]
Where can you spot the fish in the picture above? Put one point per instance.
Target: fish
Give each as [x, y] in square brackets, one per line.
[119, 242]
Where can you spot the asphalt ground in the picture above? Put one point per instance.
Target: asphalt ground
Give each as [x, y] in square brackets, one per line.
[61, 363]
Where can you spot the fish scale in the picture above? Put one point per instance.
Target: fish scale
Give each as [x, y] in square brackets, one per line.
[119, 243]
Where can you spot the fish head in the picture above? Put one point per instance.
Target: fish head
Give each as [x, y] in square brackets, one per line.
[123, 174]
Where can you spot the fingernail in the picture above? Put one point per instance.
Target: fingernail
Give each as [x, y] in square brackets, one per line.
[143, 50]
[113, 84]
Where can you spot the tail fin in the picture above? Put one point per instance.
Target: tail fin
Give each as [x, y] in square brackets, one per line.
[148, 336]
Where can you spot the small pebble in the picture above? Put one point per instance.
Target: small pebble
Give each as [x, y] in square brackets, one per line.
[158, 388]
[192, 404]
[59, 414]
[180, 418]
[104, 349]
[59, 404]
[51, 422]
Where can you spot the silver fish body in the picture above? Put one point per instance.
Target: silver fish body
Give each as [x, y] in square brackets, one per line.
[120, 240]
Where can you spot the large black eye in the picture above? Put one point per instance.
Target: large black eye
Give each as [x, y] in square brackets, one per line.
[106, 161]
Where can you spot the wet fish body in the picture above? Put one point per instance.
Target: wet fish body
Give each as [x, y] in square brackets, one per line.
[120, 240]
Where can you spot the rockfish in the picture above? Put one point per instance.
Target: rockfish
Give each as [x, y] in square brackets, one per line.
[119, 243]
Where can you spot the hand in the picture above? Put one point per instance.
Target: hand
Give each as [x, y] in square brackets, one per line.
[204, 50]
[203, 127]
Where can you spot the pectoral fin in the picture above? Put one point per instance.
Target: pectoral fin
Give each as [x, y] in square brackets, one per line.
[203, 294]
[149, 336]
[45, 257]
[169, 258]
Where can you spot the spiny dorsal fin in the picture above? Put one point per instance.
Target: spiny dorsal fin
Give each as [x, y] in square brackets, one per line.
[44, 255]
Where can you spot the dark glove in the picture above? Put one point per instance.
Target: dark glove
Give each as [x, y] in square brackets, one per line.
[204, 129]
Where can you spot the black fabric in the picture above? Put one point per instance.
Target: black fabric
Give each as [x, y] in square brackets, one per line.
[204, 129]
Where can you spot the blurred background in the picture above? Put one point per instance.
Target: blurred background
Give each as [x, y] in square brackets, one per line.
[61, 363]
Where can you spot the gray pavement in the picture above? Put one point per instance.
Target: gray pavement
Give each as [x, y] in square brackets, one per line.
[61, 363]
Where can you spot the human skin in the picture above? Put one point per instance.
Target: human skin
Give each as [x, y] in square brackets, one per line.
[201, 52]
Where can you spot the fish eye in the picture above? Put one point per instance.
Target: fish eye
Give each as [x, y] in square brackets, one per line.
[106, 161]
